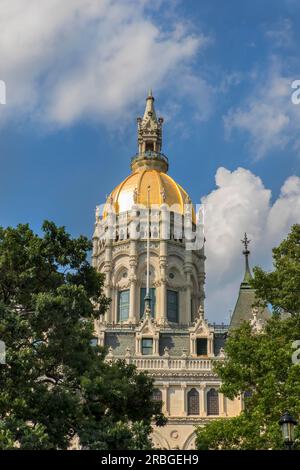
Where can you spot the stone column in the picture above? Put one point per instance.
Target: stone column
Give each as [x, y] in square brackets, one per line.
[188, 264]
[202, 400]
[133, 282]
[107, 281]
[163, 282]
[165, 399]
[184, 399]
[110, 234]
[222, 404]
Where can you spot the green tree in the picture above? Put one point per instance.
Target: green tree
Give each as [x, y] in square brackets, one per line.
[261, 363]
[55, 385]
[281, 287]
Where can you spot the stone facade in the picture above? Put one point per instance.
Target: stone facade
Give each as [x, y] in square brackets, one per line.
[170, 339]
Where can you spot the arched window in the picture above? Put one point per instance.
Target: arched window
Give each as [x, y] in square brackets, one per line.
[157, 395]
[193, 402]
[212, 402]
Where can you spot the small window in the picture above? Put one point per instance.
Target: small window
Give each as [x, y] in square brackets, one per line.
[94, 342]
[193, 402]
[123, 307]
[201, 346]
[212, 402]
[147, 346]
[157, 395]
[149, 146]
[172, 306]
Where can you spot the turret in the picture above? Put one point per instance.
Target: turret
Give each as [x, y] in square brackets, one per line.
[243, 310]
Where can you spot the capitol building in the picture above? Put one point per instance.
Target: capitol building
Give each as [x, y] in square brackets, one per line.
[148, 242]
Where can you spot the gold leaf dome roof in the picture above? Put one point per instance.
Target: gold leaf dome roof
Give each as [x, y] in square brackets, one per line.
[134, 190]
[149, 169]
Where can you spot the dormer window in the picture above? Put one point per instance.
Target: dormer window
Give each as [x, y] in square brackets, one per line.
[201, 337]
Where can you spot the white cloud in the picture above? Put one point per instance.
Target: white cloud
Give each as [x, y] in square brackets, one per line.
[267, 115]
[63, 61]
[241, 203]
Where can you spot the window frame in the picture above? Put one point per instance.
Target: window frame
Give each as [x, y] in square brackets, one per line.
[169, 292]
[198, 340]
[210, 406]
[120, 293]
[143, 348]
[193, 402]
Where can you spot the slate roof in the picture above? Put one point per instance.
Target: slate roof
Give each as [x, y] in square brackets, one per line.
[246, 298]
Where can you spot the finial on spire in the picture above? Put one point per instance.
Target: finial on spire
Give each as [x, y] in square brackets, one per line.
[246, 252]
[150, 93]
[246, 242]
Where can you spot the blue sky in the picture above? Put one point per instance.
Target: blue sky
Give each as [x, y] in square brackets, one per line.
[77, 75]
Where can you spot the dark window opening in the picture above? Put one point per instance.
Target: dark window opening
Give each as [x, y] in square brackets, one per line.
[212, 402]
[201, 346]
[147, 346]
[123, 305]
[193, 402]
[149, 146]
[157, 395]
[172, 306]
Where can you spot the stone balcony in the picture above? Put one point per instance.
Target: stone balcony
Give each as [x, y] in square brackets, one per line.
[166, 363]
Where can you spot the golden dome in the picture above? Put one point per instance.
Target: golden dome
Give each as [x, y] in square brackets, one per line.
[134, 190]
[149, 169]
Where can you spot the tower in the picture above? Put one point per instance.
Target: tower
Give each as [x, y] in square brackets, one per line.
[244, 310]
[147, 241]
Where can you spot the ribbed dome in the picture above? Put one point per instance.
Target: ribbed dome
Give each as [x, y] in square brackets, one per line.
[134, 189]
[149, 169]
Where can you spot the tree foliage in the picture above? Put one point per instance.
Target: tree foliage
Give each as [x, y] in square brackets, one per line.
[281, 287]
[55, 385]
[261, 363]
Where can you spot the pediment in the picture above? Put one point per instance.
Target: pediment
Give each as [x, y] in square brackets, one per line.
[148, 327]
[200, 326]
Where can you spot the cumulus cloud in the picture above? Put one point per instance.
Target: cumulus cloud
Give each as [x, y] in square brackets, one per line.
[239, 204]
[267, 115]
[63, 61]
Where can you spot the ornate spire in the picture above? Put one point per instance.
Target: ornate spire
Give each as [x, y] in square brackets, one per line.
[246, 253]
[149, 128]
[150, 139]
[243, 310]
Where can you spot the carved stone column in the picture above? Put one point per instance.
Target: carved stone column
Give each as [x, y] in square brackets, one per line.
[163, 282]
[222, 404]
[165, 400]
[133, 282]
[184, 399]
[188, 264]
[108, 280]
[202, 400]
